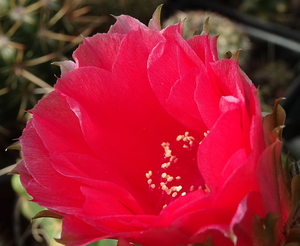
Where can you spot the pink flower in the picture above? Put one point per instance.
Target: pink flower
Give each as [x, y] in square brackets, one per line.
[150, 139]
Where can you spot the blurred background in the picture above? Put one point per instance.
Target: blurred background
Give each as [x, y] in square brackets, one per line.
[33, 34]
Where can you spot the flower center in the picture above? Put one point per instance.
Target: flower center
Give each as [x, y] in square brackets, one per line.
[178, 173]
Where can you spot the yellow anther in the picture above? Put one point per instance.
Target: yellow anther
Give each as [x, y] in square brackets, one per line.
[170, 178]
[166, 165]
[207, 189]
[174, 194]
[179, 138]
[165, 188]
[178, 188]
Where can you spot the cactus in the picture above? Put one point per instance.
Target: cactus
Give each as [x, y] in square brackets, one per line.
[32, 34]
[274, 11]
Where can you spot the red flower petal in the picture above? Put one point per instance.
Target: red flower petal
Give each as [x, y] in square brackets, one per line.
[177, 79]
[125, 24]
[225, 141]
[204, 47]
[76, 232]
[276, 201]
[106, 46]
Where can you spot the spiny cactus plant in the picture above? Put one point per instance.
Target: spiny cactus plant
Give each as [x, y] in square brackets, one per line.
[32, 34]
[272, 10]
[273, 79]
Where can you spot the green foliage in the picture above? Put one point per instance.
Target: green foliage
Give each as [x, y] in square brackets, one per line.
[42, 229]
[104, 242]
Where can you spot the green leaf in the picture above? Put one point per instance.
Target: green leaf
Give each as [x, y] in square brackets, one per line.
[293, 224]
[154, 23]
[208, 242]
[47, 214]
[292, 244]
[273, 123]
[293, 237]
[50, 227]
[206, 27]
[287, 176]
[17, 186]
[104, 242]
[15, 145]
[264, 230]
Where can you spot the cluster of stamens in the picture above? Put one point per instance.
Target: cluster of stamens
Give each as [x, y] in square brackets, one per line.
[170, 184]
[188, 141]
